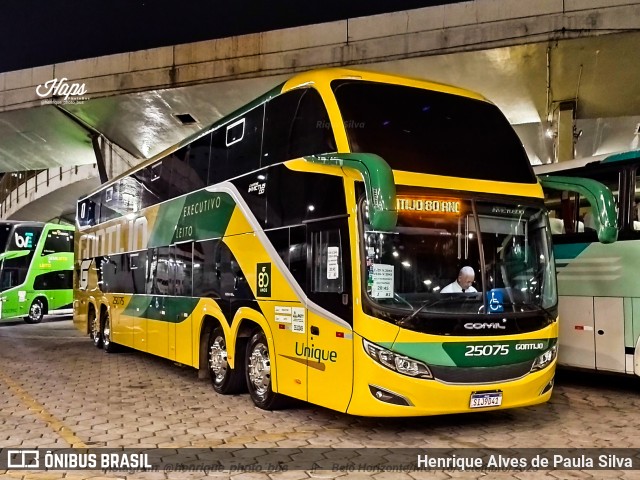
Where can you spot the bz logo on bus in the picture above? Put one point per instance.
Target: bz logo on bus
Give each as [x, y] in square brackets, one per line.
[264, 279]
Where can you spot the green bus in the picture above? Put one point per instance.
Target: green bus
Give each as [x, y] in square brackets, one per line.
[599, 291]
[36, 270]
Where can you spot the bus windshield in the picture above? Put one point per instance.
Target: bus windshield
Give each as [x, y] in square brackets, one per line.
[461, 257]
[5, 231]
[426, 131]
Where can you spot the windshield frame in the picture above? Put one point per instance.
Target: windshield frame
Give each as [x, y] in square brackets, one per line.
[400, 315]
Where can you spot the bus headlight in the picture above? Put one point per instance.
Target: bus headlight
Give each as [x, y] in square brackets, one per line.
[545, 359]
[397, 363]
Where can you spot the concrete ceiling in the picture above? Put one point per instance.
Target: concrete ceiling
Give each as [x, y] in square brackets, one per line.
[526, 81]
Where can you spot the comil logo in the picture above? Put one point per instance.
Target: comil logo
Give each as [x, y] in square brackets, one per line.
[55, 89]
[24, 242]
[484, 326]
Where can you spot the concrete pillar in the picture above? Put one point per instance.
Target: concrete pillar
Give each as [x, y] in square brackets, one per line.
[564, 119]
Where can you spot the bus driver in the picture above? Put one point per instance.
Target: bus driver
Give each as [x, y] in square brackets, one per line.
[463, 283]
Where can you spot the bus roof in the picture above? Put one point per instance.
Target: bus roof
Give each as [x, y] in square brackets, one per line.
[29, 223]
[300, 80]
[581, 162]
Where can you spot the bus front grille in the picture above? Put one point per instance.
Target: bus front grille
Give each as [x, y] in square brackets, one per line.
[501, 373]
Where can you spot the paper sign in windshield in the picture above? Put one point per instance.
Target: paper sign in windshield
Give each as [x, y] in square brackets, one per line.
[381, 276]
[332, 263]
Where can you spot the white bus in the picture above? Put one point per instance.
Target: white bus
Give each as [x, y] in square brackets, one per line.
[598, 284]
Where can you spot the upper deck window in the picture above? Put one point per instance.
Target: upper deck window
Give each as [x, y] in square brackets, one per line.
[5, 231]
[431, 132]
[58, 241]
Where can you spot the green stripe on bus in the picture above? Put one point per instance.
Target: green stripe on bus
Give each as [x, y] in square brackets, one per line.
[475, 354]
[14, 254]
[164, 309]
[197, 216]
[569, 250]
[621, 157]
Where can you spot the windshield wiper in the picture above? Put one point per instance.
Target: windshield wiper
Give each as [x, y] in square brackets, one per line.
[427, 303]
[534, 307]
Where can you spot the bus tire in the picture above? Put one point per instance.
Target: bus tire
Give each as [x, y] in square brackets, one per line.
[258, 374]
[224, 379]
[107, 344]
[96, 331]
[36, 311]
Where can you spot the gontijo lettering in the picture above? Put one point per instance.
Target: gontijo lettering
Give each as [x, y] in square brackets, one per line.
[431, 205]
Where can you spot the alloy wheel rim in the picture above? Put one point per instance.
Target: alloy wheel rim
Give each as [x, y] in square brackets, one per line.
[260, 369]
[106, 334]
[36, 311]
[218, 359]
[95, 329]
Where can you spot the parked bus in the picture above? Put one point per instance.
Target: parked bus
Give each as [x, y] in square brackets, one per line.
[598, 285]
[298, 248]
[36, 269]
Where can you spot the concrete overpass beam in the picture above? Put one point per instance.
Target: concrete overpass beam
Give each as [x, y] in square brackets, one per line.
[565, 121]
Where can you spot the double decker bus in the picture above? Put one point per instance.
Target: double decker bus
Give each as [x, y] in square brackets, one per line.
[598, 284]
[300, 247]
[36, 270]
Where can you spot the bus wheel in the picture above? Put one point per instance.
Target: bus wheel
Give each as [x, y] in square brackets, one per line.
[225, 380]
[96, 334]
[36, 312]
[107, 344]
[258, 374]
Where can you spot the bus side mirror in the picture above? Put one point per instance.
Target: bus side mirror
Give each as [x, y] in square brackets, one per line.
[603, 204]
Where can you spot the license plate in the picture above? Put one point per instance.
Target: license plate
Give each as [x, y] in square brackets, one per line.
[485, 399]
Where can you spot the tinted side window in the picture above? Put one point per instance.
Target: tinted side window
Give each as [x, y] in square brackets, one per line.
[86, 213]
[312, 132]
[189, 167]
[634, 217]
[161, 273]
[109, 201]
[114, 274]
[291, 245]
[296, 124]
[298, 254]
[58, 241]
[175, 168]
[184, 269]
[14, 271]
[206, 272]
[137, 272]
[280, 241]
[293, 197]
[5, 232]
[279, 115]
[252, 187]
[235, 147]
[326, 263]
[199, 155]
[61, 280]
[154, 180]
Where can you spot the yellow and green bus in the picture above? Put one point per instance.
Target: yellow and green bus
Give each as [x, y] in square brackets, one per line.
[308, 246]
[36, 270]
